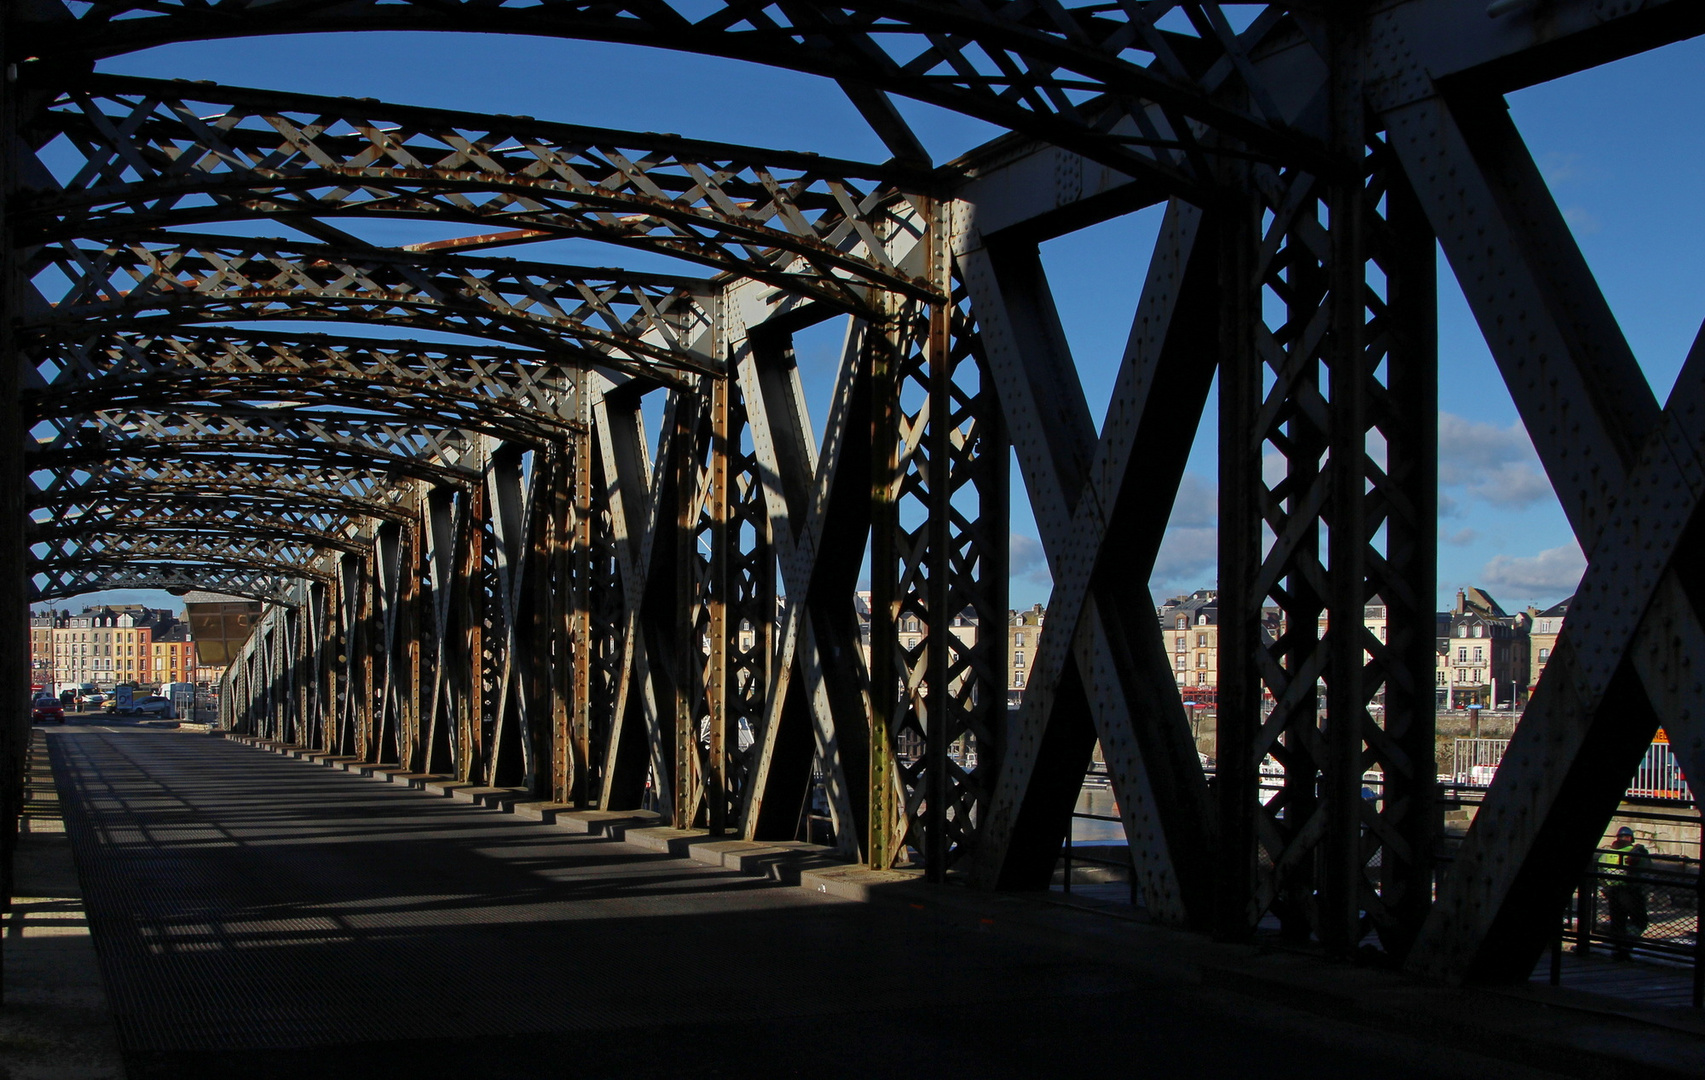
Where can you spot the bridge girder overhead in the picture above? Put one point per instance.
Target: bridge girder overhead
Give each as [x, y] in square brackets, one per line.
[525, 593]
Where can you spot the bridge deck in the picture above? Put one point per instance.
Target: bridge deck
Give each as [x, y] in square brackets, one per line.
[257, 915]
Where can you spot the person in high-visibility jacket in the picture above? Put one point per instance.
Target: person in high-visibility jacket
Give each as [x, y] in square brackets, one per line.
[1620, 870]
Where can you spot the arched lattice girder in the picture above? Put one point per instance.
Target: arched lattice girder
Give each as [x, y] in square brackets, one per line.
[1102, 79]
[237, 453]
[172, 503]
[112, 433]
[512, 395]
[327, 482]
[641, 323]
[154, 158]
[73, 538]
[279, 549]
[255, 583]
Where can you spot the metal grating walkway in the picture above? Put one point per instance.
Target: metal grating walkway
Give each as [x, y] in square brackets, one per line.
[249, 908]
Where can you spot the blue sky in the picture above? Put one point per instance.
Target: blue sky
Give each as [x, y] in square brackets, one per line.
[1620, 147]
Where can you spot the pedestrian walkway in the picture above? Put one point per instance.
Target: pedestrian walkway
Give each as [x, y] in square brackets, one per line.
[261, 916]
[1641, 981]
[55, 1024]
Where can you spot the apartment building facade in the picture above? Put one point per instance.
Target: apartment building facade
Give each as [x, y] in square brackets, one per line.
[107, 646]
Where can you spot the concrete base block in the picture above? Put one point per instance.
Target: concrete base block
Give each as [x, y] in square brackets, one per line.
[856, 882]
[602, 822]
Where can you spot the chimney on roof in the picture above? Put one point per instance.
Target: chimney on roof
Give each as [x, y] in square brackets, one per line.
[1461, 602]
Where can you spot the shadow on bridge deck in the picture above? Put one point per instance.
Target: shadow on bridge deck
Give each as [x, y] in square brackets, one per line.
[258, 916]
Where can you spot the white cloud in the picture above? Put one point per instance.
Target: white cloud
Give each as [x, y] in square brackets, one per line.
[1554, 572]
[1581, 221]
[1026, 560]
[1190, 548]
[1197, 503]
[1495, 464]
[1459, 538]
[1186, 554]
[1559, 168]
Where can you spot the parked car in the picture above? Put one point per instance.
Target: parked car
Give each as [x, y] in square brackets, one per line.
[153, 705]
[47, 707]
[92, 700]
[68, 697]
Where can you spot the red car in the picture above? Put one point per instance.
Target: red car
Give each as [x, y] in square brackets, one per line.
[47, 708]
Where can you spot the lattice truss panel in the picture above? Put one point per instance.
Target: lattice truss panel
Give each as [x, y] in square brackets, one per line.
[1338, 448]
[729, 603]
[938, 612]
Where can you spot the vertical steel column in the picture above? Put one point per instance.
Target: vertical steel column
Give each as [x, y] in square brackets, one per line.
[372, 640]
[580, 571]
[352, 643]
[1407, 749]
[470, 717]
[883, 356]
[1237, 777]
[325, 663]
[683, 465]
[409, 622]
[541, 607]
[1345, 354]
[562, 596]
[938, 348]
[716, 589]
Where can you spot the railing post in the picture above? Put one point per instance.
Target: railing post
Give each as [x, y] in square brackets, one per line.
[1699, 926]
[1585, 913]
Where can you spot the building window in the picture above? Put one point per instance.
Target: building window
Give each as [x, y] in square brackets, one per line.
[1201, 659]
[1018, 680]
[1478, 656]
[1462, 631]
[1201, 680]
[1201, 641]
[1544, 655]
[1017, 659]
[1441, 678]
[1018, 639]
[1479, 631]
[1183, 622]
[1180, 664]
[1462, 654]
[1179, 644]
[1201, 620]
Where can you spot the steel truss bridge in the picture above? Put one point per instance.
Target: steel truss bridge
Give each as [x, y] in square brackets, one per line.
[478, 562]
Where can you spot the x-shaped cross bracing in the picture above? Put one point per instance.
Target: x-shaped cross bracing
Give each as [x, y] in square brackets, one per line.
[1100, 506]
[1630, 479]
